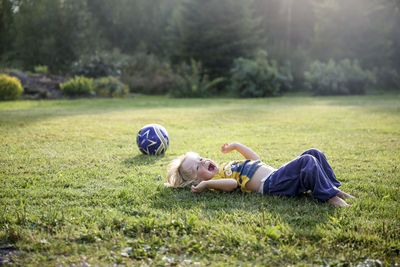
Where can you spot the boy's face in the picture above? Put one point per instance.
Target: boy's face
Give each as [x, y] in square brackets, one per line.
[203, 168]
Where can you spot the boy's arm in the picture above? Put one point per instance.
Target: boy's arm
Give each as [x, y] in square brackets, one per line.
[220, 184]
[242, 149]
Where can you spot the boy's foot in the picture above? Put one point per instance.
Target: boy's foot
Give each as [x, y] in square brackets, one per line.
[344, 195]
[337, 201]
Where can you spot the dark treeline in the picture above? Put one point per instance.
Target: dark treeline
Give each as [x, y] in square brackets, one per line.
[67, 34]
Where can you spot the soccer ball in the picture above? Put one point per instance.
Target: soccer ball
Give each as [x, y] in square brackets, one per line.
[152, 139]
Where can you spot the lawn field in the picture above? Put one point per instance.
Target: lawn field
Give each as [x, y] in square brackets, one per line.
[75, 190]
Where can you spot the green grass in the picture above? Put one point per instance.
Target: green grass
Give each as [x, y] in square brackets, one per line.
[75, 189]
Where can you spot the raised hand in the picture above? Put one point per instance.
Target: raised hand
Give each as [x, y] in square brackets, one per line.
[225, 148]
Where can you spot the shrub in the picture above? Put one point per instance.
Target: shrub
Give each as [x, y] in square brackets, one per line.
[299, 61]
[258, 77]
[10, 87]
[110, 87]
[100, 64]
[190, 81]
[78, 86]
[343, 78]
[148, 74]
[388, 78]
[42, 69]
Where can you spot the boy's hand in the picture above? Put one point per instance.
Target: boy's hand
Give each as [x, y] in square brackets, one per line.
[242, 149]
[199, 188]
[228, 147]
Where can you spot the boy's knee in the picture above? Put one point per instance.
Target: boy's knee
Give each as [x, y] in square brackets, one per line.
[308, 158]
[313, 151]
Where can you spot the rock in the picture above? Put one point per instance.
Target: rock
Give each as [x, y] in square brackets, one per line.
[21, 77]
[43, 86]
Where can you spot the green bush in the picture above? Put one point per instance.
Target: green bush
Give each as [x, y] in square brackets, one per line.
[101, 64]
[258, 77]
[42, 69]
[388, 78]
[190, 81]
[343, 78]
[10, 87]
[78, 86]
[110, 87]
[299, 60]
[148, 74]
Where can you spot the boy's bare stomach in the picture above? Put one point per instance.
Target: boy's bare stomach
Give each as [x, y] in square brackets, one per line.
[255, 182]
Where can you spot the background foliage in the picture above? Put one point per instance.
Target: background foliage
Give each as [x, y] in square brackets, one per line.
[10, 87]
[258, 77]
[110, 87]
[148, 74]
[76, 37]
[191, 81]
[78, 86]
[342, 78]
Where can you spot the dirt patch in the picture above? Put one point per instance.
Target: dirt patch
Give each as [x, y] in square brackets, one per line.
[37, 86]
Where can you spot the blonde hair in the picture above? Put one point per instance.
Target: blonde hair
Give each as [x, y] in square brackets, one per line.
[178, 176]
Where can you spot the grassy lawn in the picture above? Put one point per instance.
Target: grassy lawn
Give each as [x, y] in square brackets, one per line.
[76, 190]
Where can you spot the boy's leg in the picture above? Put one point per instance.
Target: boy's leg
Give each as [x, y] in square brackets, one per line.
[337, 201]
[344, 195]
[298, 176]
[324, 164]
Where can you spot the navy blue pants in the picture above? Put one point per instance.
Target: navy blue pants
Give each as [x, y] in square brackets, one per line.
[309, 171]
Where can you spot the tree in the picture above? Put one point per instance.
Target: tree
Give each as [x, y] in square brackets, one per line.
[288, 26]
[131, 25]
[214, 32]
[6, 26]
[356, 29]
[366, 30]
[52, 32]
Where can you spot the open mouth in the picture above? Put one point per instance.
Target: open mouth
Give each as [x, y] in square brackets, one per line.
[211, 167]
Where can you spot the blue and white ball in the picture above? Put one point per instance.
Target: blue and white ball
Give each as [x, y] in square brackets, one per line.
[153, 139]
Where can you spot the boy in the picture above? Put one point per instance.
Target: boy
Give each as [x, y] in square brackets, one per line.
[309, 171]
